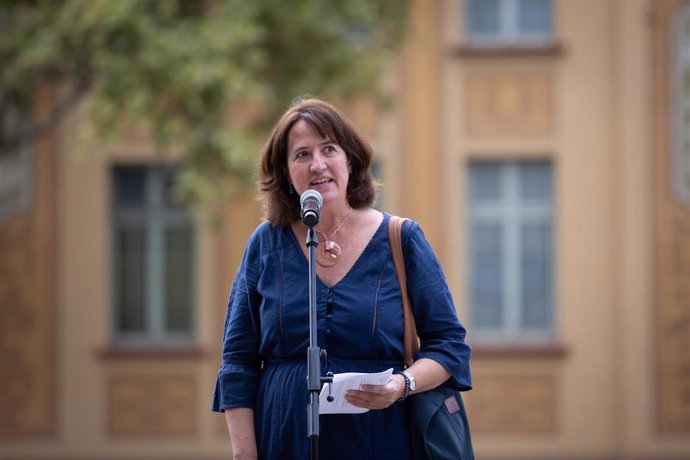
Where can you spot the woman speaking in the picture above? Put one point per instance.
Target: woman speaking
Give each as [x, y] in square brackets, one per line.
[261, 383]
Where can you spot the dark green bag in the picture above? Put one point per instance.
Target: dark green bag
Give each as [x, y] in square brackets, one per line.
[438, 425]
[437, 421]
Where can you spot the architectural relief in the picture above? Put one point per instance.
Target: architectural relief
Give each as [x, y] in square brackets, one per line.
[152, 405]
[507, 403]
[509, 105]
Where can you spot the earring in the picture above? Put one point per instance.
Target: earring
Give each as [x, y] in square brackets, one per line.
[292, 190]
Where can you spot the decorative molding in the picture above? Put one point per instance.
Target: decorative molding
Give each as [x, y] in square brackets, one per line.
[153, 353]
[152, 405]
[518, 351]
[502, 52]
[504, 104]
[512, 404]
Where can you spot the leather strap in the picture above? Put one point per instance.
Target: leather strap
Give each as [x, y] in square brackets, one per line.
[410, 338]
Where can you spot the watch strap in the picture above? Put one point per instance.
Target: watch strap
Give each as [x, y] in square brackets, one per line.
[407, 391]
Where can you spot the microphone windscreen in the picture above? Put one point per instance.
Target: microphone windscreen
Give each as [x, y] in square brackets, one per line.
[311, 194]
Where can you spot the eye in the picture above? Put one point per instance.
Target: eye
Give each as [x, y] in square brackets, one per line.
[329, 149]
[301, 154]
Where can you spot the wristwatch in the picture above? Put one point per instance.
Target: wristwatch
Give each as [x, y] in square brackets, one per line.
[410, 385]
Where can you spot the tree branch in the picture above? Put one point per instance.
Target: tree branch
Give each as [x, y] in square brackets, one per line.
[34, 131]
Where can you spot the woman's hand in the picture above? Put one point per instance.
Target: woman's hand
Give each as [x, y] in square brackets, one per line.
[377, 396]
[428, 373]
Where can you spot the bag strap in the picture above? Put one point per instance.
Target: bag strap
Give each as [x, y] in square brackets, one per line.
[410, 338]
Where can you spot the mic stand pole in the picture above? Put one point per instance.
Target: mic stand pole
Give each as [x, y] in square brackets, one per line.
[314, 354]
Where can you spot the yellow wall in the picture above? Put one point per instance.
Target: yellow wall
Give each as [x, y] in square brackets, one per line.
[586, 106]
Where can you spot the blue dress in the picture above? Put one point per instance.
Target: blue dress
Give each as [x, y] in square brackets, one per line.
[360, 325]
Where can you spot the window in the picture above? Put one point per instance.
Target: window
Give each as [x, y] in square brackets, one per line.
[15, 161]
[680, 103]
[153, 249]
[495, 23]
[511, 250]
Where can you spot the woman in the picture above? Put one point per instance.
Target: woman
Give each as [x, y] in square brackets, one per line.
[261, 384]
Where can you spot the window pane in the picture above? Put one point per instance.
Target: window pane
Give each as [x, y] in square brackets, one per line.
[535, 17]
[482, 17]
[485, 181]
[537, 276]
[130, 253]
[178, 278]
[680, 96]
[535, 181]
[170, 177]
[130, 186]
[487, 275]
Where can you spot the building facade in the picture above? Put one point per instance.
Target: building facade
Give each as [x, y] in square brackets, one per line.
[542, 145]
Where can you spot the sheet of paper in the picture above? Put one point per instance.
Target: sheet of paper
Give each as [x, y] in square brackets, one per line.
[346, 381]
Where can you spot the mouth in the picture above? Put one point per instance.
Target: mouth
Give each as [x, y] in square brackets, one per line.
[321, 181]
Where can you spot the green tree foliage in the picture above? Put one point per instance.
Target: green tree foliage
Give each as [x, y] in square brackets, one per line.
[207, 75]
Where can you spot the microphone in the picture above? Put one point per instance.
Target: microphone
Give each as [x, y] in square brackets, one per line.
[311, 202]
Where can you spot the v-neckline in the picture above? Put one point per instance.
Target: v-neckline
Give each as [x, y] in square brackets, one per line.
[305, 257]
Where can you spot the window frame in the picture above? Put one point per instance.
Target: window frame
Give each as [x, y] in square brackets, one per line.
[508, 34]
[156, 217]
[511, 212]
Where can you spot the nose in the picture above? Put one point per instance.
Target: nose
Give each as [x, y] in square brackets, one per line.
[318, 162]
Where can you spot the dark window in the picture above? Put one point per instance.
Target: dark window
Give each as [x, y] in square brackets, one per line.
[154, 257]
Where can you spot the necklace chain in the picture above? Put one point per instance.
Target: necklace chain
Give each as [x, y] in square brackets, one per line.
[340, 225]
[328, 254]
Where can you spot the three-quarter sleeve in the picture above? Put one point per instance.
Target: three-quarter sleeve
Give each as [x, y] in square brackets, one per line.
[442, 336]
[238, 375]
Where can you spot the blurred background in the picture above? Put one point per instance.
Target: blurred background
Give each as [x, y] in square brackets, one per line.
[543, 145]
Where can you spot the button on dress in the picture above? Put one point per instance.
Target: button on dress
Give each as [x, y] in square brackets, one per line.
[360, 325]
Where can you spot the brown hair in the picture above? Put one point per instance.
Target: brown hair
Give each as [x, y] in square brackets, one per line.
[282, 207]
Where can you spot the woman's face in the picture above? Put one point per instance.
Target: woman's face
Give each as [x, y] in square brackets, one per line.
[317, 163]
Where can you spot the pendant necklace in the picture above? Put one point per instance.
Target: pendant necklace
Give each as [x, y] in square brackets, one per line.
[328, 253]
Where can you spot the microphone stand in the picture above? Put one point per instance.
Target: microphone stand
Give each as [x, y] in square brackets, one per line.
[314, 353]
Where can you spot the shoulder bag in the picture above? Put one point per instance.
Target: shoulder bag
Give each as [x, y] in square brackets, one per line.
[437, 421]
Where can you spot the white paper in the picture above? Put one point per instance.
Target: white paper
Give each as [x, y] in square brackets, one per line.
[344, 382]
